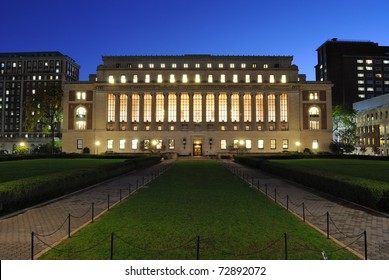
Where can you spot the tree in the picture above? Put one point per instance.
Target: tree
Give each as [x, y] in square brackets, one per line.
[344, 128]
[43, 111]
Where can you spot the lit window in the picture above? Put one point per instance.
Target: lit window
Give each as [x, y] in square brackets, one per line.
[151, 65]
[223, 144]
[197, 107]
[135, 79]
[271, 105]
[386, 61]
[209, 65]
[163, 65]
[123, 107]
[222, 107]
[235, 78]
[184, 107]
[243, 65]
[235, 107]
[147, 79]
[135, 101]
[284, 107]
[171, 144]
[172, 108]
[359, 61]
[80, 95]
[197, 78]
[111, 79]
[221, 65]
[313, 96]
[315, 144]
[360, 68]
[361, 82]
[186, 65]
[222, 78]
[197, 65]
[134, 144]
[122, 144]
[140, 65]
[361, 75]
[273, 145]
[254, 65]
[174, 65]
[259, 79]
[285, 144]
[247, 79]
[369, 68]
[313, 112]
[123, 79]
[210, 78]
[184, 78]
[259, 107]
[159, 78]
[283, 79]
[247, 107]
[172, 79]
[210, 107]
[272, 79]
[248, 144]
[147, 99]
[232, 65]
[111, 107]
[109, 144]
[265, 66]
[261, 144]
[369, 61]
[160, 113]
[81, 118]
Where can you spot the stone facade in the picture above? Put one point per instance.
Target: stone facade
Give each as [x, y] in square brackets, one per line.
[197, 105]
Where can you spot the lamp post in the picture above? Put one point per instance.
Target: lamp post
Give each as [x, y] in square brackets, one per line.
[298, 146]
[97, 143]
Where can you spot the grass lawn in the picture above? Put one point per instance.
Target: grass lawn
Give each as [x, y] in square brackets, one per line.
[369, 169]
[14, 170]
[197, 198]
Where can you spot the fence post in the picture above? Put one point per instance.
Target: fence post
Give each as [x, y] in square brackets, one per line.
[303, 212]
[112, 246]
[287, 202]
[328, 225]
[198, 248]
[69, 225]
[286, 245]
[93, 212]
[365, 237]
[32, 245]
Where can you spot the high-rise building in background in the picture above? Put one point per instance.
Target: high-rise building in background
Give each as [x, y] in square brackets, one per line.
[359, 70]
[197, 105]
[21, 74]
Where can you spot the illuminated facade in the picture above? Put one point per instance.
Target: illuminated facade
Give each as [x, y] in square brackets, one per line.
[197, 105]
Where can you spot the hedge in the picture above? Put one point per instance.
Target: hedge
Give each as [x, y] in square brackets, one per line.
[366, 192]
[22, 193]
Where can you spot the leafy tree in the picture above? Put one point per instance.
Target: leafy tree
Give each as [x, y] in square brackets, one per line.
[344, 129]
[43, 111]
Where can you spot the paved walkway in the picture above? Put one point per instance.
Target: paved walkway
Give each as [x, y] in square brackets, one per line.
[50, 222]
[346, 221]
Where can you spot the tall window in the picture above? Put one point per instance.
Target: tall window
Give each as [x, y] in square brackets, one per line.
[135, 108]
[235, 107]
[172, 107]
[223, 144]
[184, 107]
[159, 78]
[81, 118]
[111, 107]
[284, 107]
[197, 107]
[222, 78]
[160, 112]
[123, 107]
[222, 107]
[314, 115]
[247, 107]
[271, 105]
[210, 105]
[147, 107]
[259, 107]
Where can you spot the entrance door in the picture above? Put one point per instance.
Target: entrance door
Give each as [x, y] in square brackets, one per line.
[197, 149]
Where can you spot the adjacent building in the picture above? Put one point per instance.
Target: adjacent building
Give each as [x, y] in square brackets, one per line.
[358, 69]
[373, 125]
[21, 74]
[197, 105]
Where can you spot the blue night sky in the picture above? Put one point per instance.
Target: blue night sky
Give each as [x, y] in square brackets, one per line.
[87, 29]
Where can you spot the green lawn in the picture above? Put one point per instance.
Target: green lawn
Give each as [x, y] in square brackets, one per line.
[14, 170]
[197, 198]
[369, 169]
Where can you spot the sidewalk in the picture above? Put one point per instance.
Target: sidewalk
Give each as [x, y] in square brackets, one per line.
[347, 221]
[50, 221]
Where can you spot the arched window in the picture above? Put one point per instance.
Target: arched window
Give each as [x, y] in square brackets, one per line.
[80, 118]
[314, 118]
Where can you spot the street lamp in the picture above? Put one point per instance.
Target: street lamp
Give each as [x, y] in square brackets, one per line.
[298, 146]
[97, 143]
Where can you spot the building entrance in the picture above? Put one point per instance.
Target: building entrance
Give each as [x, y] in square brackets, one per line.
[197, 149]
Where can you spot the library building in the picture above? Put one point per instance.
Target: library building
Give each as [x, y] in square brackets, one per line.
[197, 105]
